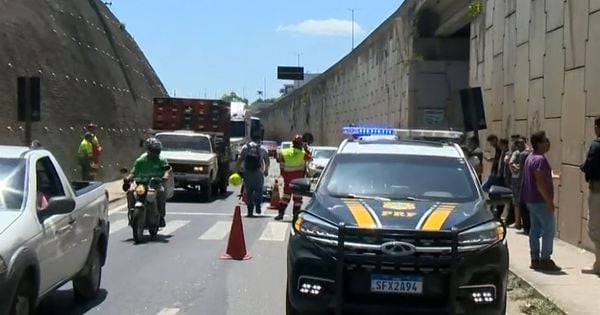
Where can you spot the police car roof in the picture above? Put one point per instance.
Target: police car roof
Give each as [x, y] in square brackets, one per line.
[392, 145]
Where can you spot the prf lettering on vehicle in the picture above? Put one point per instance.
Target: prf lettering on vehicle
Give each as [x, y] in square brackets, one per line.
[398, 209]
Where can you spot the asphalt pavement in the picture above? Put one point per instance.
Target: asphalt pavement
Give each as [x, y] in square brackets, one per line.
[181, 272]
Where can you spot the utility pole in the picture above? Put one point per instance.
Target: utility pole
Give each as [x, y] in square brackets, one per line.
[353, 10]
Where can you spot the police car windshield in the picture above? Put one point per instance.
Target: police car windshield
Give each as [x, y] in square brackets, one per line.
[399, 177]
[184, 143]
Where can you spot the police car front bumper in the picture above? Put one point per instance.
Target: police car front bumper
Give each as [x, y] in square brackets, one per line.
[475, 273]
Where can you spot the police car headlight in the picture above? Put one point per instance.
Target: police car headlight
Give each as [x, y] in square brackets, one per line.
[3, 266]
[309, 225]
[482, 234]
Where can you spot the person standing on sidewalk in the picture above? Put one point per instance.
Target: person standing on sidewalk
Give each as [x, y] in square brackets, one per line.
[256, 166]
[537, 191]
[493, 177]
[515, 167]
[591, 168]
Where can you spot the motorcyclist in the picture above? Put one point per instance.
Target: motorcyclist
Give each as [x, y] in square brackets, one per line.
[150, 164]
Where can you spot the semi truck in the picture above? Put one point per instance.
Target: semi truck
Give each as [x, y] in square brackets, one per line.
[196, 135]
[243, 127]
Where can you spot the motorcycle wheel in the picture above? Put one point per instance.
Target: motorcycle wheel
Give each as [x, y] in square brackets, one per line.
[137, 225]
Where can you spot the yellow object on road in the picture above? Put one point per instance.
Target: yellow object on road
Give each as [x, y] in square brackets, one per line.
[235, 179]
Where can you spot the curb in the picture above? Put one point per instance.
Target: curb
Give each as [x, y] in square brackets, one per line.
[536, 292]
[114, 200]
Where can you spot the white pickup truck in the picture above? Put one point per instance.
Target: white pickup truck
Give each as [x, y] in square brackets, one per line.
[51, 230]
[196, 161]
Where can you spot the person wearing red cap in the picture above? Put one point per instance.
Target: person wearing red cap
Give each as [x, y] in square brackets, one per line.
[96, 148]
[292, 161]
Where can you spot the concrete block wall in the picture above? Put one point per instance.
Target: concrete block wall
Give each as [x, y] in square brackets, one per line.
[385, 81]
[91, 70]
[537, 63]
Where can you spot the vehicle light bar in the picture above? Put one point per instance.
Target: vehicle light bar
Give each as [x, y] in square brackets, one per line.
[366, 131]
[403, 133]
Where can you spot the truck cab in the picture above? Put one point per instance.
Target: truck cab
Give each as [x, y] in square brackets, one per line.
[194, 160]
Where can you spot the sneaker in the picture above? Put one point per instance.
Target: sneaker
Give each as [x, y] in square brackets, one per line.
[279, 217]
[548, 265]
[250, 215]
[258, 210]
[534, 264]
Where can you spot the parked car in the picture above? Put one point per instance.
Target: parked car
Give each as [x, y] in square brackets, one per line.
[270, 146]
[52, 231]
[321, 156]
[283, 145]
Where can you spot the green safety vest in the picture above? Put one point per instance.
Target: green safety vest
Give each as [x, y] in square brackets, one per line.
[293, 159]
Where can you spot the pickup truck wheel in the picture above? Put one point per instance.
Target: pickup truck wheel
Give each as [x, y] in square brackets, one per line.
[87, 285]
[23, 301]
[206, 191]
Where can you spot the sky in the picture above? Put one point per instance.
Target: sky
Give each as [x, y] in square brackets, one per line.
[202, 48]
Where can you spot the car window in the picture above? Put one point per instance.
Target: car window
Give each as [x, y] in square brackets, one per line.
[322, 154]
[12, 184]
[184, 143]
[48, 182]
[396, 176]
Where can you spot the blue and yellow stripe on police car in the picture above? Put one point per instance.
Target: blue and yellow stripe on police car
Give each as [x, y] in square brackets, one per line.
[435, 219]
[363, 217]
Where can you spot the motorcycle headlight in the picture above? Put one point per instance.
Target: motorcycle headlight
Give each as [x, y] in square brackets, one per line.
[310, 225]
[482, 234]
[3, 266]
[140, 190]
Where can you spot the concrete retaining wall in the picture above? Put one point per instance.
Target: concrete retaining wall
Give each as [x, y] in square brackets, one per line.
[91, 70]
[537, 63]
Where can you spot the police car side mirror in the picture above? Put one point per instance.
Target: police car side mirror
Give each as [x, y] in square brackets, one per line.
[301, 186]
[498, 195]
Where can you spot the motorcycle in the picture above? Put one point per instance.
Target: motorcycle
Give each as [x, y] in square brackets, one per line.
[143, 213]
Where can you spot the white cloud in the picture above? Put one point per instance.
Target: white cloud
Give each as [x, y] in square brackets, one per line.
[330, 27]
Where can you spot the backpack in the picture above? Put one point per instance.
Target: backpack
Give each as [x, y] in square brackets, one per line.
[252, 160]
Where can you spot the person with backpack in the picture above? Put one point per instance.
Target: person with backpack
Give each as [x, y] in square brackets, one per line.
[256, 168]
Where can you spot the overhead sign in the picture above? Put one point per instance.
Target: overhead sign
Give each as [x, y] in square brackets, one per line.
[290, 73]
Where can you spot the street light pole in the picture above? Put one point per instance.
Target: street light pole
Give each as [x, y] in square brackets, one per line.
[352, 10]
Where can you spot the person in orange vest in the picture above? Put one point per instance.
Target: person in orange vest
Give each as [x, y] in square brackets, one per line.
[292, 161]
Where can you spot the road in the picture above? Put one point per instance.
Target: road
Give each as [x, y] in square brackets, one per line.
[181, 273]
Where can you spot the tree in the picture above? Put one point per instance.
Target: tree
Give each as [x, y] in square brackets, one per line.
[233, 97]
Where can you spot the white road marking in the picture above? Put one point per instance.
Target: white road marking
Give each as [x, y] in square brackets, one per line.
[275, 231]
[217, 232]
[118, 225]
[191, 213]
[169, 311]
[118, 209]
[173, 226]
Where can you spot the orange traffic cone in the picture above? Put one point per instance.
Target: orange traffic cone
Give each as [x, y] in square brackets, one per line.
[275, 196]
[236, 247]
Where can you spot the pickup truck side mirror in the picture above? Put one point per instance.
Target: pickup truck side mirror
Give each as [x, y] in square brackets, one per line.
[498, 195]
[58, 206]
[301, 186]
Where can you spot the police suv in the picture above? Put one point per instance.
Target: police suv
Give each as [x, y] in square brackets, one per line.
[397, 223]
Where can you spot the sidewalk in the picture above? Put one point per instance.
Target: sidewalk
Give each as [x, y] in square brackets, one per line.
[115, 191]
[572, 291]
